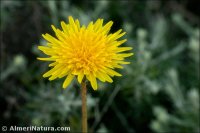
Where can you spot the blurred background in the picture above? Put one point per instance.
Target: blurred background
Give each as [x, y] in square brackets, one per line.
[158, 92]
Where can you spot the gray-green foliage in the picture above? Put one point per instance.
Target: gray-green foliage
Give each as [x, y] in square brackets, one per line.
[185, 116]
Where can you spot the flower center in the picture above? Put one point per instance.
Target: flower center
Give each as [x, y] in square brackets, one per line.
[88, 55]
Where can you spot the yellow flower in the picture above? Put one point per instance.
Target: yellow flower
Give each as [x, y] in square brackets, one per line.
[80, 51]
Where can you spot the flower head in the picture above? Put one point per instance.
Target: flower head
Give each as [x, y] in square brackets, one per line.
[80, 51]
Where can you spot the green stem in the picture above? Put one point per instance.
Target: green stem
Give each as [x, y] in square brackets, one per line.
[84, 106]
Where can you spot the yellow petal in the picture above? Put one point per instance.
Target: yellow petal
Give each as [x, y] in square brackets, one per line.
[100, 77]
[59, 34]
[93, 81]
[118, 36]
[122, 62]
[117, 65]
[71, 20]
[98, 24]
[80, 77]
[56, 73]
[90, 26]
[47, 74]
[125, 55]
[64, 72]
[68, 80]
[112, 72]
[106, 28]
[121, 42]
[54, 28]
[64, 27]
[117, 43]
[72, 23]
[122, 49]
[53, 64]
[44, 48]
[111, 36]
[47, 50]
[77, 24]
[46, 59]
[108, 25]
[106, 77]
[51, 39]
